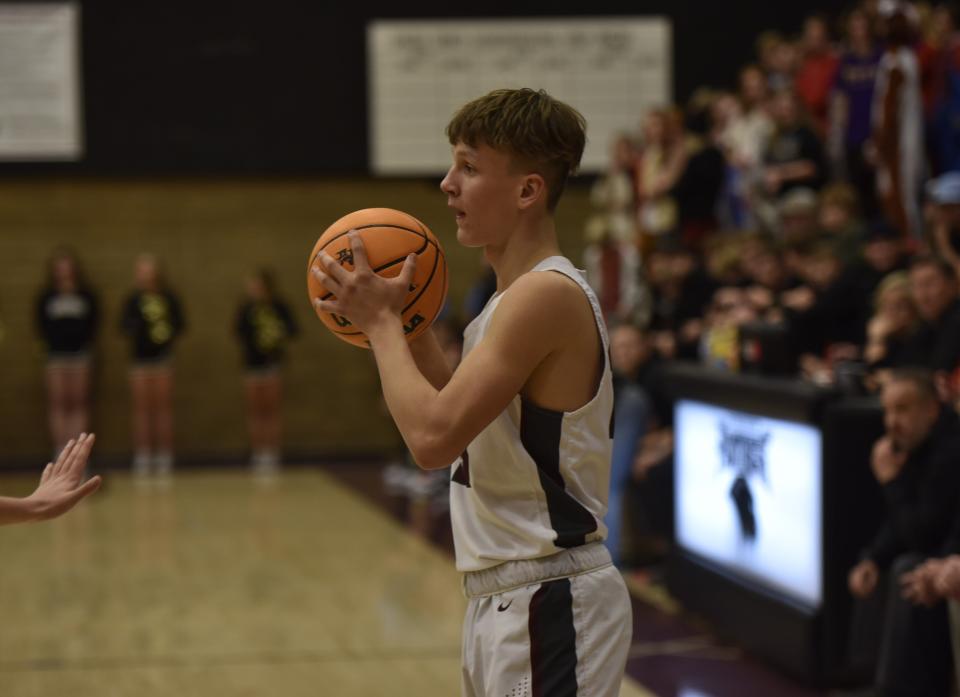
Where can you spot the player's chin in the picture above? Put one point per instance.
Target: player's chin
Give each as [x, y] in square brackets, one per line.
[467, 237]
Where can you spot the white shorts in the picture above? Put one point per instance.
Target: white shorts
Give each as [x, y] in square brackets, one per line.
[554, 627]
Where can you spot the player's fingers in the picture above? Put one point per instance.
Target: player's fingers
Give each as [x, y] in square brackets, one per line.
[62, 459]
[45, 475]
[409, 268]
[75, 496]
[332, 268]
[70, 462]
[80, 455]
[88, 487]
[360, 262]
[326, 280]
[328, 306]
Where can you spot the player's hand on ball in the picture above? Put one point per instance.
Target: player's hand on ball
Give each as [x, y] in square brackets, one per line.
[361, 295]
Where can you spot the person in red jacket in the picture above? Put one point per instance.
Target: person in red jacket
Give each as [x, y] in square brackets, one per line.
[818, 67]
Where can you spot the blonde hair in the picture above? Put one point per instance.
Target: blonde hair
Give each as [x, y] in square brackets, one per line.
[542, 132]
[896, 281]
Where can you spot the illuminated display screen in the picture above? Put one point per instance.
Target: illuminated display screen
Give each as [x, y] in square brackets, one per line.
[748, 497]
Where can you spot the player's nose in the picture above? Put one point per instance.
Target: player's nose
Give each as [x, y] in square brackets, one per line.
[447, 184]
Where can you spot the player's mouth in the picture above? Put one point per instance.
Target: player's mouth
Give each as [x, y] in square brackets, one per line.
[460, 215]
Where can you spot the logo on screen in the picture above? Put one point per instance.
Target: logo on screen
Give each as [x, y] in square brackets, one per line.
[743, 450]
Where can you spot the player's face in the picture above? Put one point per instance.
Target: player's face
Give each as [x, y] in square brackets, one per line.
[483, 188]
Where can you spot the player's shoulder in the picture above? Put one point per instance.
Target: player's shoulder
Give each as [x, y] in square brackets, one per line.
[547, 281]
[544, 301]
[545, 290]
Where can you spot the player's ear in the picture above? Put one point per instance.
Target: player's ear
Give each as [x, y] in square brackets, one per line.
[532, 191]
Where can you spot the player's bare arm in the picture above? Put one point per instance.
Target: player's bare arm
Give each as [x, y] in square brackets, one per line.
[430, 359]
[61, 487]
[530, 331]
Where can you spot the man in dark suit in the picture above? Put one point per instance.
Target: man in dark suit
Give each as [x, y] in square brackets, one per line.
[917, 465]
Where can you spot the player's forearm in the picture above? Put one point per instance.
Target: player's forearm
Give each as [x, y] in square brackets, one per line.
[430, 360]
[14, 510]
[410, 396]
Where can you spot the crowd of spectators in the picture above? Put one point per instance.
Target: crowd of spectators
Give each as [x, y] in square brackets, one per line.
[811, 215]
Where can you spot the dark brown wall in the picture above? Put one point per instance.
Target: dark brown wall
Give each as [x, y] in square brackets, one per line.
[209, 235]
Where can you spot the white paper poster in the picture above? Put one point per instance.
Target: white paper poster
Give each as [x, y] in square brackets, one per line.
[39, 82]
[420, 72]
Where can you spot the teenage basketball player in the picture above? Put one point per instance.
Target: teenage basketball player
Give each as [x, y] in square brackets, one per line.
[526, 417]
[61, 486]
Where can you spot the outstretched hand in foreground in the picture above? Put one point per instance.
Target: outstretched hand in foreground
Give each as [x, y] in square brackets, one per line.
[61, 486]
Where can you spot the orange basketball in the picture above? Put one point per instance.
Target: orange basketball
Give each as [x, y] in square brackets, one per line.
[388, 236]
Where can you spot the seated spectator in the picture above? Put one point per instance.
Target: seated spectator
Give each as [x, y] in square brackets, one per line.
[827, 315]
[915, 464]
[937, 580]
[719, 345]
[797, 215]
[723, 254]
[936, 345]
[894, 321]
[883, 252]
[767, 280]
[681, 289]
[839, 219]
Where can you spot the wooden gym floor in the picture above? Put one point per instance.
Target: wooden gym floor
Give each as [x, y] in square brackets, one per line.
[220, 585]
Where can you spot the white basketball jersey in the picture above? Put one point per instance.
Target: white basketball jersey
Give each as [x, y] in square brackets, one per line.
[534, 481]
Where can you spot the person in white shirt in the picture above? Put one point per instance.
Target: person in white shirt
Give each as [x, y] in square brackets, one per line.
[526, 418]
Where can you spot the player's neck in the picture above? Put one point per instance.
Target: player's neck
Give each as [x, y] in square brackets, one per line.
[523, 250]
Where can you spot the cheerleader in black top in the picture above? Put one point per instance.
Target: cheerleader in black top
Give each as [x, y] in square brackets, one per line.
[67, 316]
[264, 326]
[152, 319]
